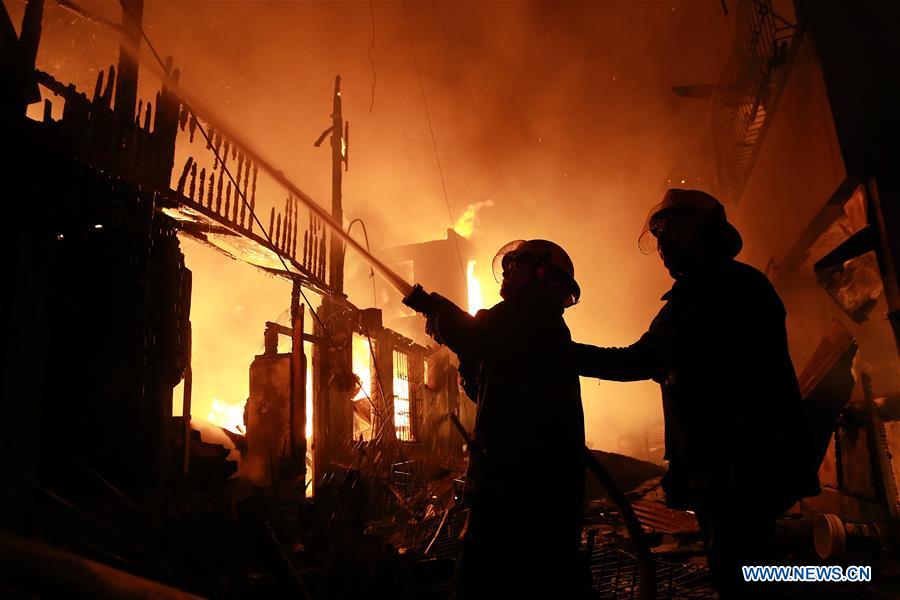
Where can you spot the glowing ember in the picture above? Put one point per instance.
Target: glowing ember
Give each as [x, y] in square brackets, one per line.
[227, 416]
[466, 223]
[476, 301]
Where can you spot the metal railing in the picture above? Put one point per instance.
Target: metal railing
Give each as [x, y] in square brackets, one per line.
[748, 90]
[220, 183]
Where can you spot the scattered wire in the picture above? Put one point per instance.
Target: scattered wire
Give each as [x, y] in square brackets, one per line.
[371, 268]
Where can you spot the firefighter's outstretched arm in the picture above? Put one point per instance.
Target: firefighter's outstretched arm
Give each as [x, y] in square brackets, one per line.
[447, 323]
[641, 360]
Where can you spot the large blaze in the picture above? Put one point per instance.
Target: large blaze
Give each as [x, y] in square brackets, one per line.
[465, 227]
[181, 215]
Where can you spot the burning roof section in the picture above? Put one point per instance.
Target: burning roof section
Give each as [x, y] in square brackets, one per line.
[210, 183]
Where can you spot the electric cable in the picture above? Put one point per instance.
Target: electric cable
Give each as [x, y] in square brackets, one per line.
[437, 156]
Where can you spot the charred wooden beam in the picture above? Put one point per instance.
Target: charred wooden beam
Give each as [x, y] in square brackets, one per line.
[253, 197]
[29, 40]
[219, 191]
[193, 181]
[182, 180]
[288, 331]
[336, 272]
[186, 404]
[227, 198]
[298, 385]
[129, 46]
[245, 197]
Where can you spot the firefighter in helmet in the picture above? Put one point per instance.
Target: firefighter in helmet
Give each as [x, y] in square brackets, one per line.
[525, 482]
[735, 436]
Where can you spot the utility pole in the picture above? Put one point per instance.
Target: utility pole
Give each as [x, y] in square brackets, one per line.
[297, 411]
[339, 151]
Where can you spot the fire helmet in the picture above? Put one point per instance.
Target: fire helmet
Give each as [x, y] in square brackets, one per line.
[697, 205]
[547, 253]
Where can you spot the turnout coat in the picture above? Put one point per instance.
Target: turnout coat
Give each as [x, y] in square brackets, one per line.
[731, 402]
[525, 481]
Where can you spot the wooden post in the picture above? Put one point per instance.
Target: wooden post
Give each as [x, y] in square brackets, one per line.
[165, 130]
[298, 385]
[129, 46]
[336, 266]
[186, 405]
[27, 90]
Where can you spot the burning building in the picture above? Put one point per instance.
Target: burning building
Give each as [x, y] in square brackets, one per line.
[116, 181]
[342, 470]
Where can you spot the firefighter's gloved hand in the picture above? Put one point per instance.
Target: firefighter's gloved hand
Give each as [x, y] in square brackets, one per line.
[420, 301]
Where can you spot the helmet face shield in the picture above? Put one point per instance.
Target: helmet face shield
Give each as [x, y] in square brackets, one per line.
[691, 204]
[503, 257]
[539, 254]
[647, 239]
[647, 243]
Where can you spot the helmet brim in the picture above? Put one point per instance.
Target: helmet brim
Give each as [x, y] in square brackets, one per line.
[510, 250]
[730, 241]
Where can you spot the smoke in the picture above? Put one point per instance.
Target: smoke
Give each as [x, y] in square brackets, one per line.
[561, 114]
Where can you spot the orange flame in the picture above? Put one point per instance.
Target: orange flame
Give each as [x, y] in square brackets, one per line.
[227, 416]
[362, 368]
[476, 300]
[465, 225]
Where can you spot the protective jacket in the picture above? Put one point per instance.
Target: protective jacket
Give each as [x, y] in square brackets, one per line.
[525, 482]
[731, 402]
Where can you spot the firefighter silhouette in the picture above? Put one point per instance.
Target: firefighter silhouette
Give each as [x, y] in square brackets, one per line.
[735, 438]
[525, 481]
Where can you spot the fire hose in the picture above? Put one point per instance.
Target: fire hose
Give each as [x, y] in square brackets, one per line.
[643, 557]
[646, 569]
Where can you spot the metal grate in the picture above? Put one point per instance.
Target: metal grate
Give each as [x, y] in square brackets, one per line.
[748, 90]
[402, 420]
[614, 573]
[613, 569]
